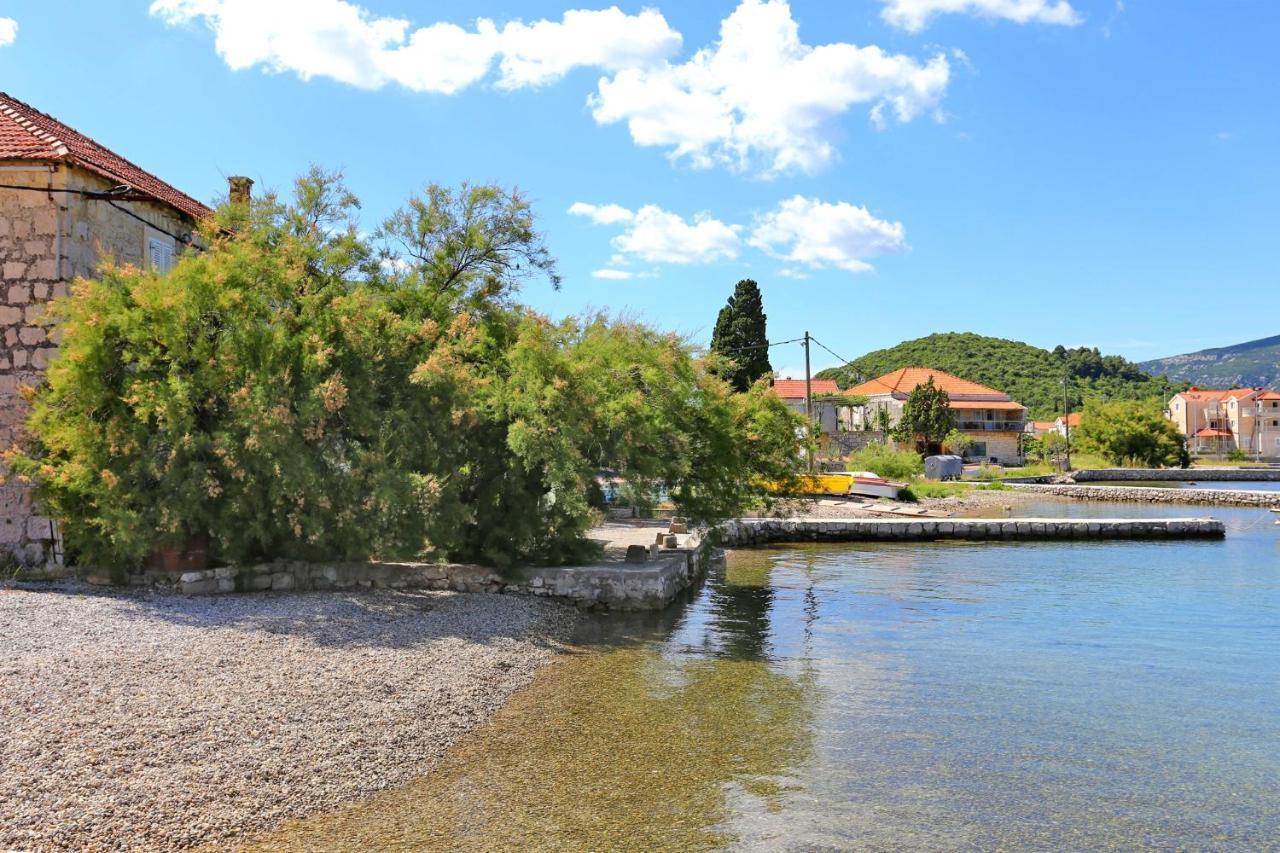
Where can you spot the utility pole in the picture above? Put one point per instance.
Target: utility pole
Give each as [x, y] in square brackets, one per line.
[1066, 420]
[808, 400]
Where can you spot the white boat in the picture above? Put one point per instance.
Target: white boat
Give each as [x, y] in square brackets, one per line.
[872, 485]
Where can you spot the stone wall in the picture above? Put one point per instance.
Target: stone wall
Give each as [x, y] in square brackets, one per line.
[46, 239]
[1181, 475]
[608, 585]
[1137, 494]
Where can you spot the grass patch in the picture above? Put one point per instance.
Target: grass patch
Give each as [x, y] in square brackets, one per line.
[933, 489]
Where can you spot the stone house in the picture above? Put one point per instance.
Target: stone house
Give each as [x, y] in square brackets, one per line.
[1218, 422]
[990, 418]
[66, 202]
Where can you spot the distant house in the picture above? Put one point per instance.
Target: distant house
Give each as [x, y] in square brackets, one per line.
[1039, 428]
[825, 412]
[1061, 424]
[1218, 422]
[65, 200]
[989, 417]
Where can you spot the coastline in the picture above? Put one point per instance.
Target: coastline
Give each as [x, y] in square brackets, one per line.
[158, 722]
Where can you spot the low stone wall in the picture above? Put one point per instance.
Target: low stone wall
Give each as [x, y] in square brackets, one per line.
[1180, 475]
[1137, 494]
[620, 586]
[761, 531]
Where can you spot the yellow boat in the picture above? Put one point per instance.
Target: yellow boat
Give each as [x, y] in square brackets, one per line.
[845, 483]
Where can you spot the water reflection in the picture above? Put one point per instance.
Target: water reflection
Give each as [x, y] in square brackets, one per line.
[1022, 695]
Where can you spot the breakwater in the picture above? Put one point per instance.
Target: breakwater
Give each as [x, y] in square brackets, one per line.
[763, 531]
[1137, 494]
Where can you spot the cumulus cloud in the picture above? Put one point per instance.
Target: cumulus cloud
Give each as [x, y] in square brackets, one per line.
[820, 234]
[610, 274]
[601, 214]
[8, 31]
[659, 236]
[914, 15]
[761, 96]
[802, 231]
[345, 42]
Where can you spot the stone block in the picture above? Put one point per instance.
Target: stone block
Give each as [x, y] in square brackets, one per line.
[637, 554]
[200, 587]
[46, 268]
[31, 335]
[19, 294]
[282, 581]
[14, 270]
[258, 583]
[9, 315]
[39, 528]
[40, 357]
[670, 541]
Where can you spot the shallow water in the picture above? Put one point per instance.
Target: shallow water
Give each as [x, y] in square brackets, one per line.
[1060, 695]
[1247, 485]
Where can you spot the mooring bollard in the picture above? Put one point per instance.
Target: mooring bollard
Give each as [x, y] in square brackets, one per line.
[670, 541]
[637, 553]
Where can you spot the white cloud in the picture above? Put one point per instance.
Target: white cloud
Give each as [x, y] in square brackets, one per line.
[544, 51]
[820, 234]
[8, 31]
[761, 96]
[659, 236]
[801, 231]
[611, 274]
[345, 42]
[913, 15]
[601, 214]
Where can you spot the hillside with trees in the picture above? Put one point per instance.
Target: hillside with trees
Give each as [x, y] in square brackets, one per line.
[1254, 364]
[1031, 375]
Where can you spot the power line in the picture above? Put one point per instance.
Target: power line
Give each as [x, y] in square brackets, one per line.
[757, 346]
[843, 360]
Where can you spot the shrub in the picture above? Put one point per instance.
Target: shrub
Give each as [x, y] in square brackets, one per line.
[1131, 433]
[886, 461]
[299, 391]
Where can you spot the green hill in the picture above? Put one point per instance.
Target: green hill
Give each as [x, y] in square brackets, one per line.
[1030, 375]
[1255, 364]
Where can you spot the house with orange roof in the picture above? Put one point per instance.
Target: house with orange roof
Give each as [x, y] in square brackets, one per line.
[825, 412]
[65, 201]
[990, 418]
[1217, 422]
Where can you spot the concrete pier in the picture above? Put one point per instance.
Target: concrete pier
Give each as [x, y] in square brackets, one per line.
[765, 530]
[1156, 495]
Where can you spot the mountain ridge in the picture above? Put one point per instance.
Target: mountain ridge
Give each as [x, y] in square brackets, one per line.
[1252, 364]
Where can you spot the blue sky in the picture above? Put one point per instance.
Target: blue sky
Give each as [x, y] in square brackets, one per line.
[1054, 171]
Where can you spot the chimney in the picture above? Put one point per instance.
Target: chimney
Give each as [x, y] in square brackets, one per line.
[239, 189]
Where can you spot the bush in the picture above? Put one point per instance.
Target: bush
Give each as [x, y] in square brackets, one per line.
[299, 391]
[1131, 433]
[886, 461]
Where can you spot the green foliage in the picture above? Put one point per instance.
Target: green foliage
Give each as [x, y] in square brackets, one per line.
[886, 461]
[1030, 375]
[297, 391]
[740, 337]
[930, 489]
[926, 415]
[957, 442]
[1136, 434]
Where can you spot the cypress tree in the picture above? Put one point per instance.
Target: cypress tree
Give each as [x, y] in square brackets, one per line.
[740, 336]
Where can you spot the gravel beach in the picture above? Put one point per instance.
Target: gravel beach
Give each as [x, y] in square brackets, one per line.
[137, 721]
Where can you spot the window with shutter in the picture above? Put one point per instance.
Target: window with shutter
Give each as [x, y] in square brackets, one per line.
[160, 254]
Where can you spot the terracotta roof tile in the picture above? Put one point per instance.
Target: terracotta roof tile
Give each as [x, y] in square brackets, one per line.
[28, 134]
[994, 405]
[793, 389]
[905, 380]
[1209, 432]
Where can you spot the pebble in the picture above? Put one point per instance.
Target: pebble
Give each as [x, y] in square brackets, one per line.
[147, 721]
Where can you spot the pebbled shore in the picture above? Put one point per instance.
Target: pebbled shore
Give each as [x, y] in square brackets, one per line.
[158, 722]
